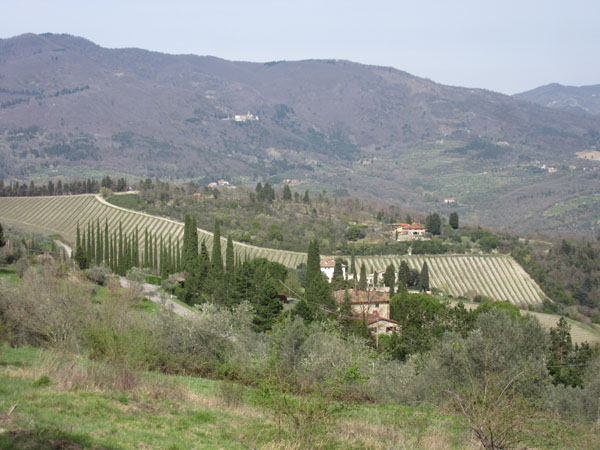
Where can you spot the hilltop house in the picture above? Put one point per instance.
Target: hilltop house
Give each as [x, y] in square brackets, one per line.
[328, 266]
[409, 232]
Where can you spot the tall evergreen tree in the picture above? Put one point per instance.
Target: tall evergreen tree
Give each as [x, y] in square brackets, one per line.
[120, 252]
[362, 282]
[287, 193]
[424, 278]
[106, 244]
[229, 256]
[313, 262]
[389, 277]
[217, 257]
[453, 220]
[268, 307]
[433, 224]
[80, 254]
[155, 254]
[146, 249]
[353, 270]
[204, 264]
[189, 252]
[403, 274]
[337, 280]
[136, 249]
[2, 238]
[99, 248]
[90, 246]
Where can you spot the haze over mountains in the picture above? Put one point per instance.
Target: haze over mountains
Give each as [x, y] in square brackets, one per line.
[67, 104]
[568, 98]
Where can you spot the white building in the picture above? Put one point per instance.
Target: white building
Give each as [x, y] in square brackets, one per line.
[328, 266]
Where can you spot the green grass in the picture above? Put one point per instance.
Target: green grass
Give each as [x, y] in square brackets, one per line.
[148, 306]
[9, 273]
[175, 412]
[48, 414]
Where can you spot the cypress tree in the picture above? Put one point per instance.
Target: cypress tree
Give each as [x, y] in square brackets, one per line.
[229, 256]
[453, 220]
[114, 257]
[204, 262]
[80, 255]
[89, 247]
[155, 262]
[353, 269]
[99, 256]
[190, 243]
[150, 252]
[146, 248]
[337, 280]
[217, 257]
[106, 244]
[313, 262]
[287, 193]
[268, 307]
[2, 239]
[178, 257]
[120, 252]
[403, 274]
[164, 263]
[389, 277]
[424, 278]
[362, 282]
[136, 249]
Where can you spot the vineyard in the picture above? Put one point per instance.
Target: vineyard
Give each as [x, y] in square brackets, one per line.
[495, 276]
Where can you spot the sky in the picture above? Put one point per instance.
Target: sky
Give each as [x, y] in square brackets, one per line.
[503, 45]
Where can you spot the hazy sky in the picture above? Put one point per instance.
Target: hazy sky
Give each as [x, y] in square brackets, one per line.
[504, 45]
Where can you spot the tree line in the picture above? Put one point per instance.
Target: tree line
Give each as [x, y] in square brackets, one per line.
[74, 187]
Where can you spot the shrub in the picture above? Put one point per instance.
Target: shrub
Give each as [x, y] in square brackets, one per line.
[98, 274]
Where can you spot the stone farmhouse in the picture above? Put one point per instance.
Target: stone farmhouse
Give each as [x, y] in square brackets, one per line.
[372, 306]
[409, 232]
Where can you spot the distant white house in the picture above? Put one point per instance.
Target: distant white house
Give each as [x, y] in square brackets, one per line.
[244, 117]
[328, 266]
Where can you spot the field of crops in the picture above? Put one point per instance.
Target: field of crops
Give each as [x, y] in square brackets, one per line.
[498, 277]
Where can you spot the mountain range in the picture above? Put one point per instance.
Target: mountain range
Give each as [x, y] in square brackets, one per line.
[584, 99]
[71, 107]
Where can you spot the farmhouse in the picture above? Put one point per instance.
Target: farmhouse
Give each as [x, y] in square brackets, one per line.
[328, 266]
[409, 232]
[380, 325]
[366, 302]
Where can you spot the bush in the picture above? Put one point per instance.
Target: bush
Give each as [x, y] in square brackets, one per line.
[22, 265]
[98, 274]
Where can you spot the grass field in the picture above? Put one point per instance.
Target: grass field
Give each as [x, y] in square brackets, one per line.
[84, 405]
[496, 276]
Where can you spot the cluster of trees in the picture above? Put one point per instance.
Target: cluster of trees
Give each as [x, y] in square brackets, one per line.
[74, 187]
[95, 246]
[209, 279]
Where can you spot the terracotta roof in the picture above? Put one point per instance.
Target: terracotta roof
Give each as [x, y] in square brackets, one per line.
[374, 318]
[408, 226]
[328, 262]
[357, 296]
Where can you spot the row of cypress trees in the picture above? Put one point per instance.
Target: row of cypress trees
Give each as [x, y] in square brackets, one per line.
[121, 252]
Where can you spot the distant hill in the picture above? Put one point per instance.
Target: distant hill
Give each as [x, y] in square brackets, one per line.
[70, 107]
[567, 98]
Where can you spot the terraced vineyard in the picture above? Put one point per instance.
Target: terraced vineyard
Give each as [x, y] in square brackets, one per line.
[498, 277]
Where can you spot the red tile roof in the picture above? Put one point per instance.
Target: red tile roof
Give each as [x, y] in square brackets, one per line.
[357, 296]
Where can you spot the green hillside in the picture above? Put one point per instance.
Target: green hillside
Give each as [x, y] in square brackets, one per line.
[495, 276]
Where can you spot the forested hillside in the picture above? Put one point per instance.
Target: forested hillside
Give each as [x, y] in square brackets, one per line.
[70, 107]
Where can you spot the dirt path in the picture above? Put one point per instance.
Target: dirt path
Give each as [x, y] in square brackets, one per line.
[153, 293]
